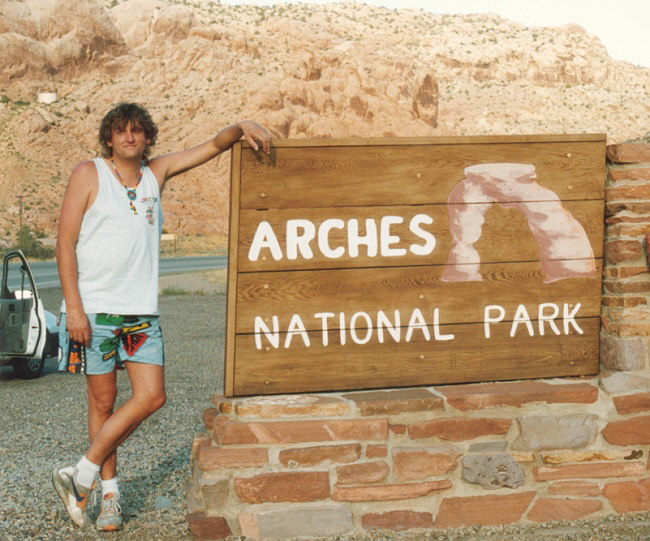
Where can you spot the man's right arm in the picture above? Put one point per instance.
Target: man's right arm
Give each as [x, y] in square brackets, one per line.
[82, 187]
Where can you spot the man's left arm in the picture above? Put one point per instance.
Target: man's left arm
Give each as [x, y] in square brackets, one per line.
[170, 165]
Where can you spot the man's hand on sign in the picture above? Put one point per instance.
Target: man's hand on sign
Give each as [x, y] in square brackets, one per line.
[256, 135]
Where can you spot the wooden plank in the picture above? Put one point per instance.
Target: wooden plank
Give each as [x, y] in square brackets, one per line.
[505, 236]
[469, 357]
[448, 140]
[401, 325]
[314, 177]
[404, 288]
[231, 294]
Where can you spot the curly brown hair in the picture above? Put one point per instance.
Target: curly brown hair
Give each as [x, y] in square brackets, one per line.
[119, 117]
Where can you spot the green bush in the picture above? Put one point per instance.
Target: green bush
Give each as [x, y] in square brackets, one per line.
[29, 243]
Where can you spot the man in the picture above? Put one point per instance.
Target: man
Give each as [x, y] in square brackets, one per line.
[107, 254]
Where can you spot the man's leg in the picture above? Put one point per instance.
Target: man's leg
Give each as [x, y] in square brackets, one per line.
[108, 430]
[102, 392]
[148, 396]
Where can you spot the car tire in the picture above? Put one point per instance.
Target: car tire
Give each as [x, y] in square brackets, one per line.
[28, 368]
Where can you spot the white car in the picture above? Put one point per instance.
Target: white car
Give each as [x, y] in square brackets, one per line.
[28, 333]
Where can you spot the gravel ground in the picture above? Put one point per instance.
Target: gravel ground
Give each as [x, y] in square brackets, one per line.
[43, 426]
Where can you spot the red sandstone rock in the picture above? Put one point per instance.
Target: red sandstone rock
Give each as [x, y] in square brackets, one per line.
[624, 302]
[622, 229]
[629, 496]
[219, 422]
[621, 353]
[208, 416]
[632, 191]
[213, 458]
[625, 272]
[629, 329]
[376, 451]
[283, 487]
[629, 173]
[562, 457]
[397, 520]
[310, 456]
[203, 527]
[482, 510]
[629, 153]
[395, 401]
[517, 393]
[418, 463]
[638, 207]
[200, 440]
[634, 431]
[574, 488]
[291, 405]
[367, 472]
[623, 250]
[593, 470]
[387, 492]
[632, 403]
[301, 431]
[547, 509]
[640, 284]
[223, 404]
[458, 429]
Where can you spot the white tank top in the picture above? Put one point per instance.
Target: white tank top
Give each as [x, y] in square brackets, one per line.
[117, 250]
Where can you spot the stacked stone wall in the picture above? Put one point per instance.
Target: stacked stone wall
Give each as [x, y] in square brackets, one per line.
[455, 455]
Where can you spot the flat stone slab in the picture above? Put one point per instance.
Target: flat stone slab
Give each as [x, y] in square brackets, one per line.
[623, 382]
[623, 353]
[292, 522]
[291, 405]
[546, 432]
[516, 393]
[493, 471]
[395, 401]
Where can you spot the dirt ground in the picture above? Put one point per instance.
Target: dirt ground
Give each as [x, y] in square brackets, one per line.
[43, 424]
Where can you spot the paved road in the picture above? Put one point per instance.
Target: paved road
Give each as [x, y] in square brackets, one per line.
[46, 275]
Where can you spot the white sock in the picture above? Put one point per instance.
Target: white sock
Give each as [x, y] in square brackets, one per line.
[110, 485]
[86, 472]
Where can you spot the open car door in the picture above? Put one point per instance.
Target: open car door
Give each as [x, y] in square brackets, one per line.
[22, 319]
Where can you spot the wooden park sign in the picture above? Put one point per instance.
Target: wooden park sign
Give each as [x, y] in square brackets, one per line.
[369, 263]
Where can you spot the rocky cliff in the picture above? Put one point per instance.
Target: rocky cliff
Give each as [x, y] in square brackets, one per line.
[345, 70]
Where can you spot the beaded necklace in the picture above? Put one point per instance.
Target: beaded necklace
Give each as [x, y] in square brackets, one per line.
[130, 192]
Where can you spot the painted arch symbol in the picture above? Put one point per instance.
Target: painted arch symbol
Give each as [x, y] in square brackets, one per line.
[564, 248]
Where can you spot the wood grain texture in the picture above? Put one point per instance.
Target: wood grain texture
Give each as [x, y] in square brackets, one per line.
[231, 294]
[468, 358]
[349, 179]
[314, 177]
[446, 140]
[505, 237]
[404, 288]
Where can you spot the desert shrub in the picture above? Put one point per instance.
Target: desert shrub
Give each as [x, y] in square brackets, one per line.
[29, 242]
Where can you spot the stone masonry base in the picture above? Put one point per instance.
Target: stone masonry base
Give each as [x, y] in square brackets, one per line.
[456, 455]
[438, 457]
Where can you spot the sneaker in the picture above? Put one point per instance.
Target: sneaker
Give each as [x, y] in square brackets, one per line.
[110, 517]
[74, 496]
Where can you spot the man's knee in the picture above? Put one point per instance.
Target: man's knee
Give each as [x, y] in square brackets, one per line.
[103, 403]
[152, 402]
[159, 401]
